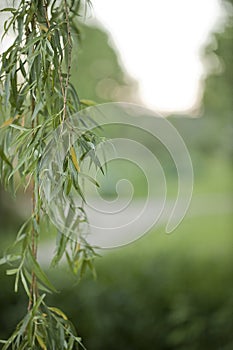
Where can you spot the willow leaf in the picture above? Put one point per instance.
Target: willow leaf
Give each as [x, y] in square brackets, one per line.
[39, 272]
[4, 157]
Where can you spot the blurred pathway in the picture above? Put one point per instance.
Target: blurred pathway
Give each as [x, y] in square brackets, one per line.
[203, 205]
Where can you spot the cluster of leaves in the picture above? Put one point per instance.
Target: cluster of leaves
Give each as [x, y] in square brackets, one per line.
[35, 90]
[22, 262]
[44, 328]
[79, 256]
[36, 97]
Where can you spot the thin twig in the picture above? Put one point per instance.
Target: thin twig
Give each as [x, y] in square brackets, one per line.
[45, 6]
[70, 46]
[33, 287]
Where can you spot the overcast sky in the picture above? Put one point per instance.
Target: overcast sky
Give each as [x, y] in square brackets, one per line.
[159, 43]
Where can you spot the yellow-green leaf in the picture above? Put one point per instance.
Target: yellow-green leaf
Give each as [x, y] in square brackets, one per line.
[74, 159]
[11, 272]
[43, 27]
[39, 272]
[88, 102]
[58, 312]
[41, 342]
[7, 123]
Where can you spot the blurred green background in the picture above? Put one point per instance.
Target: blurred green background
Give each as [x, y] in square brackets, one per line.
[164, 291]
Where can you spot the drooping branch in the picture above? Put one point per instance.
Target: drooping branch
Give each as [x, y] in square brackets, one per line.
[36, 97]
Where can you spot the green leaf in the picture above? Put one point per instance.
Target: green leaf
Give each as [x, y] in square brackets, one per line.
[40, 286]
[41, 342]
[18, 127]
[8, 9]
[31, 43]
[24, 283]
[50, 49]
[58, 312]
[92, 268]
[24, 323]
[79, 190]
[9, 258]
[38, 303]
[37, 109]
[10, 340]
[22, 68]
[39, 272]
[4, 157]
[88, 102]
[7, 89]
[12, 272]
[68, 186]
[16, 281]
[61, 247]
[74, 158]
[90, 179]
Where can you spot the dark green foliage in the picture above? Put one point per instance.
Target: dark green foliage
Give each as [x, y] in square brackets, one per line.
[217, 99]
[43, 328]
[162, 293]
[212, 131]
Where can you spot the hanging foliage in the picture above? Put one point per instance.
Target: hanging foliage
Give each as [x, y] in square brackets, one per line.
[36, 96]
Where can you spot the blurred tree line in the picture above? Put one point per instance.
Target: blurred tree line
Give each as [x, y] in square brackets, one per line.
[217, 98]
[212, 132]
[97, 72]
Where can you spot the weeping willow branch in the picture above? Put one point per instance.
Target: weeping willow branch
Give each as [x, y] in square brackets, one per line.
[36, 96]
[34, 234]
